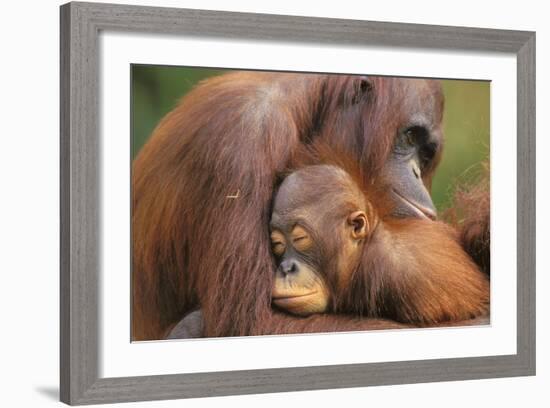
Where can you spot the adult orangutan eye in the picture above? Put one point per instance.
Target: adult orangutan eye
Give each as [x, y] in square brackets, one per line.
[407, 141]
[419, 137]
[409, 137]
[416, 135]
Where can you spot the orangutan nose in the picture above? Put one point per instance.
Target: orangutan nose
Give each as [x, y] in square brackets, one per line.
[288, 266]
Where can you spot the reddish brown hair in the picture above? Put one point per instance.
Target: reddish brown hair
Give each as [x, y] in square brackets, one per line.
[203, 184]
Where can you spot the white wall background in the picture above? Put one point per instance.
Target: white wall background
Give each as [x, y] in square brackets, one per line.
[29, 212]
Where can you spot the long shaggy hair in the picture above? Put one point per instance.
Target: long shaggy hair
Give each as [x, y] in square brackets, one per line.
[203, 185]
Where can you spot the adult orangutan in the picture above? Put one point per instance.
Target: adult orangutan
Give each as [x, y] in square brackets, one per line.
[203, 185]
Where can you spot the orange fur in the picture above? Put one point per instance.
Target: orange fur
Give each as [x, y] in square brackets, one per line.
[471, 213]
[408, 270]
[415, 271]
[197, 245]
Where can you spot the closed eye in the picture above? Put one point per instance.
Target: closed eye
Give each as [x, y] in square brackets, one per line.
[278, 248]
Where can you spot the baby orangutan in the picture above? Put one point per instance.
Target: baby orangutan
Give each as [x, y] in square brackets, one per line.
[334, 254]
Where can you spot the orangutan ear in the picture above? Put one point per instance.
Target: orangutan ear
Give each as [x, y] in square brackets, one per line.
[359, 224]
[362, 87]
[365, 85]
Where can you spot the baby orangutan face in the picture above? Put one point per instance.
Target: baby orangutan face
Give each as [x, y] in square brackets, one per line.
[317, 229]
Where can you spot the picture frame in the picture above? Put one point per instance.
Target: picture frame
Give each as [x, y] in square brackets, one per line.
[81, 24]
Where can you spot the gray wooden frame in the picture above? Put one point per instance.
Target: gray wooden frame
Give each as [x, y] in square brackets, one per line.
[80, 234]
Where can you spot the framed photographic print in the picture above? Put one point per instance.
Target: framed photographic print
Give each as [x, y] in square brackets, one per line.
[241, 193]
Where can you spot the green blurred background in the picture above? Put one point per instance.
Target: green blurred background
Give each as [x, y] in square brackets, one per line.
[157, 89]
